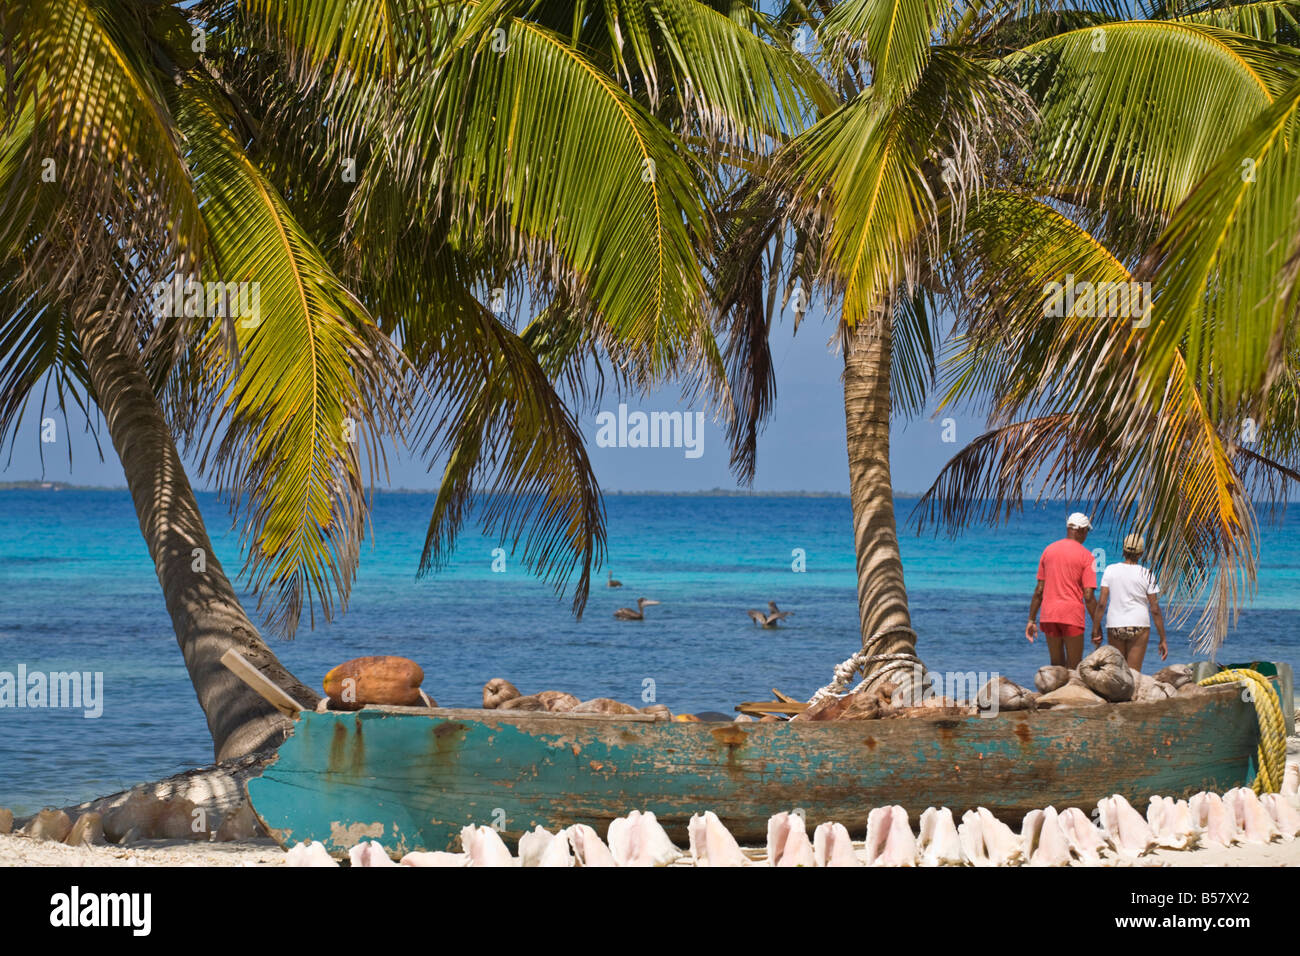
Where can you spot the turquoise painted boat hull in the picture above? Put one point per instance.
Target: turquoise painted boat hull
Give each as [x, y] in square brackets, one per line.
[411, 778]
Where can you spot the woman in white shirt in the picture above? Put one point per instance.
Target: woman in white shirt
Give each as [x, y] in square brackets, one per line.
[1131, 597]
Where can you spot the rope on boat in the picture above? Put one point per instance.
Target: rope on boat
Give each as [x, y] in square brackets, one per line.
[1272, 728]
[857, 662]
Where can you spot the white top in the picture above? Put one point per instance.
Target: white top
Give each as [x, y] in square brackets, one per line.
[1129, 586]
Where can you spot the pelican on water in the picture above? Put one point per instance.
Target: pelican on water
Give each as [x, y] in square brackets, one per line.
[772, 618]
[611, 583]
[627, 614]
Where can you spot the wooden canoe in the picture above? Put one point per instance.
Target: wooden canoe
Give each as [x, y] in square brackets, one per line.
[411, 778]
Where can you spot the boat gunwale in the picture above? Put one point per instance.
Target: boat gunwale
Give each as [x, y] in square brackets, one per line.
[1047, 715]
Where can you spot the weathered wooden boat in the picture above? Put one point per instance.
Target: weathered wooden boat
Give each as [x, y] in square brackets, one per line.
[412, 777]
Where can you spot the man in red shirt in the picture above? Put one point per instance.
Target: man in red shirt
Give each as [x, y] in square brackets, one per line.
[1067, 580]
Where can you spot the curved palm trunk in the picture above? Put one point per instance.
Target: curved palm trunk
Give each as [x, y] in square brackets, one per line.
[882, 597]
[205, 612]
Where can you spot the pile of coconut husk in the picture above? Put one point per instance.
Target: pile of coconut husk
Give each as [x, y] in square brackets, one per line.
[882, 702]
[500, 694]
[1102, 677]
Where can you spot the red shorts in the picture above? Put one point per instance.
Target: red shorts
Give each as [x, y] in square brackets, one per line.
[1057, 629]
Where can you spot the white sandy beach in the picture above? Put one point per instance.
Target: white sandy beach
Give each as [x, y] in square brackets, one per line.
[20, 851]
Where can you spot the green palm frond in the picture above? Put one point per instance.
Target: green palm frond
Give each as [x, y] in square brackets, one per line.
[1274, 20]
[359, 42]
[101, 124]
[1118, 114]
[1225, 269]
[879, 174]
[1069, 416]
[894, 36]
[514, 449]
[1020, 339]
[597, 200]
[300, 386]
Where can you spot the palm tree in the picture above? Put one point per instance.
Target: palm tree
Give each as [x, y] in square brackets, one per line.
[962, 124]
[145, 144]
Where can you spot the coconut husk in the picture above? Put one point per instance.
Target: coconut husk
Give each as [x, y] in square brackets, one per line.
[1143, 685]
[603, 705]
[530, 702]
[1050, 677]
[1107, 674]
[1175, 675]
[929, 710]
[497, 691]
[1073, 694]
[557, 701]
[862, 705]
[1004, 694]
[1157, 690]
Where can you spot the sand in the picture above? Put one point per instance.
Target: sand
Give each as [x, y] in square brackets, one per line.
[20, 851]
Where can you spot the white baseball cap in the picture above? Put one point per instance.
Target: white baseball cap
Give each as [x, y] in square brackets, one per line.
[1078, 520]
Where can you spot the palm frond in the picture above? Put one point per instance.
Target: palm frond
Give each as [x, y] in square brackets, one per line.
[513, 449]
[1225, 269]
[300, 386]
[1120, 118]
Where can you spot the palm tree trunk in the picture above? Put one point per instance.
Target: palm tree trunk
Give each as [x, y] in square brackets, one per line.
[205, 612]
[882, 596]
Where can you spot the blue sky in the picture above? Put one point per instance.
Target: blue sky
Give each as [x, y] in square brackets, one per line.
[801, 450]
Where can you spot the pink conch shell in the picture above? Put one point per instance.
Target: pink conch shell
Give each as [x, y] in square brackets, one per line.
[309, 854]
[939, 842]
[712, 844]
[832, 846]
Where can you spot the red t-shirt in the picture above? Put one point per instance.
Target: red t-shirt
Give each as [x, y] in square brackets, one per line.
[1065, 569]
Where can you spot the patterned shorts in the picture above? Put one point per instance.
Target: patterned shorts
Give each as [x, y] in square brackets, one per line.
[1129, 635]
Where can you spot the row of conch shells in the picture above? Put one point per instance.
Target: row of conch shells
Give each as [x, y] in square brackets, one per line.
[1119, 835]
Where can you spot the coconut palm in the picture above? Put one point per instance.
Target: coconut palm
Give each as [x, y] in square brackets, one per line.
[966, 133]
[354, 161]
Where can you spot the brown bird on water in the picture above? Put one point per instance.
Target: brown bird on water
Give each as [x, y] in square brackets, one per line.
[611, 583]
[772, 618]
[627, 614]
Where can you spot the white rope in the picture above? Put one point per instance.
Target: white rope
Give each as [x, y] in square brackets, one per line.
[858, 661]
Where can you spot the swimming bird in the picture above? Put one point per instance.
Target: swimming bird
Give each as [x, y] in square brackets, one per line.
[772, 618]
[627, 614]
[611, 583]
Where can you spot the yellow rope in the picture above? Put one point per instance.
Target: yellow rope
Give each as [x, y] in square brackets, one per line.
[1272, 729]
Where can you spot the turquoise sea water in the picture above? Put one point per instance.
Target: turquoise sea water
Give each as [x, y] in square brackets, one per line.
[77, 591]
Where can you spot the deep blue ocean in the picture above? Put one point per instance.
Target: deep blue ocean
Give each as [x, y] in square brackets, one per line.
[78, 592]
